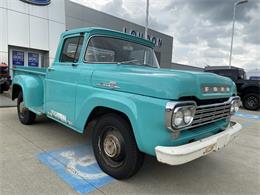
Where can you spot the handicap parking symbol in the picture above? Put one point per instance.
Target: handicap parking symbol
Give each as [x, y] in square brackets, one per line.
[77, 167]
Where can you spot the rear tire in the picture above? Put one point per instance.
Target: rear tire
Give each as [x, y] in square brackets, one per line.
[115, 148]
[251, 101]
[25, 116]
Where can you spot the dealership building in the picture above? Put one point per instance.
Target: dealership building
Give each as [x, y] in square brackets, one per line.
[30, 30]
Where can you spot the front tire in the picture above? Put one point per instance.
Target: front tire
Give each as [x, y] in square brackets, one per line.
[115, 148]
[25, 116]
[251, 101]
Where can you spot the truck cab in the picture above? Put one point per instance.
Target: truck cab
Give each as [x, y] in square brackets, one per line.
[112, 82]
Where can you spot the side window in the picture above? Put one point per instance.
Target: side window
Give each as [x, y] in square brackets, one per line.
[71, 49]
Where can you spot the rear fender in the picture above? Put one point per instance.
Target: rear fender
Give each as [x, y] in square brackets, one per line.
[32, 88]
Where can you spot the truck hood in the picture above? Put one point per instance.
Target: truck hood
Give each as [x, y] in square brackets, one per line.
[160, 83]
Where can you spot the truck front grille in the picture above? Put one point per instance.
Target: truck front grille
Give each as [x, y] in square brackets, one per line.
[210, 113]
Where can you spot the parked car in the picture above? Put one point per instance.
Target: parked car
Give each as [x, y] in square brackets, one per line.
[5, 80]
[248, 90]
[111, 81]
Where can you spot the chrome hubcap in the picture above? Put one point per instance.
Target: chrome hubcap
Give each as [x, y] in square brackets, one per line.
[111, 146]
[252, 101]
[22, 107]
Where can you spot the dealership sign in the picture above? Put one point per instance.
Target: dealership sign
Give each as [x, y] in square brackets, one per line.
[33, 59]
[37, 2]
[157, 41]
[18, 58]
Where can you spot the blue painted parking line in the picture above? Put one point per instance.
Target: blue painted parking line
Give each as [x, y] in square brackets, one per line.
[247, 116]
[76, 166]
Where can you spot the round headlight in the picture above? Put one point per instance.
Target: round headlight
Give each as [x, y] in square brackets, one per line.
[187, 116]
[177, 118]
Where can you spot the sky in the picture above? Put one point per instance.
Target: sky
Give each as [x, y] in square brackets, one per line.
[201, 28]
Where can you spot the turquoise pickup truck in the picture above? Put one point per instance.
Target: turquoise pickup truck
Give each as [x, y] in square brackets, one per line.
[111, 83]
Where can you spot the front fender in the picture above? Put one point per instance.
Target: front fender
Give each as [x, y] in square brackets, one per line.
[122, 103]
[32, 88]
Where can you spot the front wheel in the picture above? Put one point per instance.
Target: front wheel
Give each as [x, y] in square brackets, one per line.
[25, 116]
[251, 101]
[115, 148]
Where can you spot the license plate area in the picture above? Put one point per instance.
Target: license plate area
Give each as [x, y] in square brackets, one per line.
[222, 141]
[209, 149]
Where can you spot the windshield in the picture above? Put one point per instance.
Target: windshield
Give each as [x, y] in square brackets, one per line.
[113, 50]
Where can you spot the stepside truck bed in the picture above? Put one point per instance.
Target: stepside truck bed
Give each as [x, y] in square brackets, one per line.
[34, 88]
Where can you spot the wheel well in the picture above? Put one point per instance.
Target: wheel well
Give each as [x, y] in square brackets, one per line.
[252, 89]
[99, 111]
[15, 91]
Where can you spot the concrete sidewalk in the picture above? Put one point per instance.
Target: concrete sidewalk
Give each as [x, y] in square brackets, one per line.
[233, 170]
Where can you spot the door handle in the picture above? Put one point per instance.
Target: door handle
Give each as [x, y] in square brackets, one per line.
[74, 64]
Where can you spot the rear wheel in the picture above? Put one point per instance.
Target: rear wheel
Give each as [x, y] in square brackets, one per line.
[25, 116]
[251, 101]
[115, 148]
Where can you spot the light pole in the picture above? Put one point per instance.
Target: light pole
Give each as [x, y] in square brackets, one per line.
[146, 19]
[233, 26]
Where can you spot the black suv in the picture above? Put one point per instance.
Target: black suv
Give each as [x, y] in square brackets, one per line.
[248, 90]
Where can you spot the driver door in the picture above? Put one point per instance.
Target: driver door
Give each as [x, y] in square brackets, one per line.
[61, 82]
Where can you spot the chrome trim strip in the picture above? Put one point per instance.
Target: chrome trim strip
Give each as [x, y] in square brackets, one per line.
[219, 104]
[204, 115]
[110, 85]
[210, 118]
[216, 108]
[208, 122]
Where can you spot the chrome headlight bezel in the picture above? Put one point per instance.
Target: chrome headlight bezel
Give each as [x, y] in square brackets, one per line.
[234, 106]
[172, 108]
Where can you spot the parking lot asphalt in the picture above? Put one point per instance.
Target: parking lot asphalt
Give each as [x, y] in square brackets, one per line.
[233, 170]
[5, 100]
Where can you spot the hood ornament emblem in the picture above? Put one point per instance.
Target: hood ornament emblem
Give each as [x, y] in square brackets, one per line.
[110, 85]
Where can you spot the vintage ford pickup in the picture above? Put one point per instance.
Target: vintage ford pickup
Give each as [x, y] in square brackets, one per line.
[112, 82]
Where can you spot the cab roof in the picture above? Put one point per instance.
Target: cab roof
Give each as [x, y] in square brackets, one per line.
[108, 32]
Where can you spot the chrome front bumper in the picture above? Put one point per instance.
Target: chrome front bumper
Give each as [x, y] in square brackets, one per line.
[177, 155]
